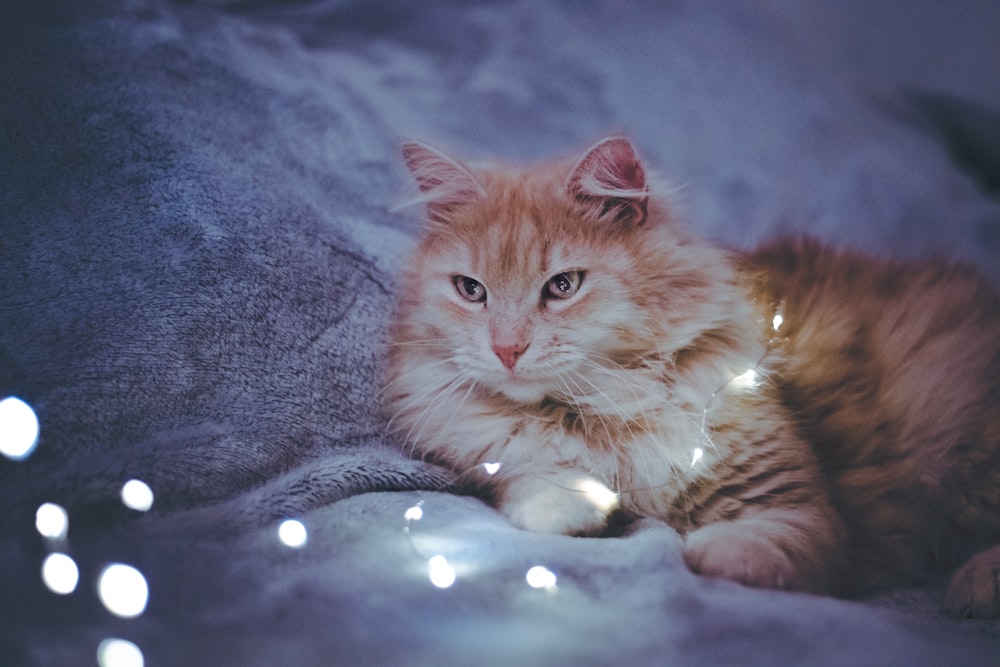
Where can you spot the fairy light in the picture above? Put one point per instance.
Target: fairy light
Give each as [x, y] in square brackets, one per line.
[60, 573]
[748, 379]
[601, 496]
[18, 429]
[696, 455]
[745, 380]
[440, 571]
[123, 590]
[137, 495]
[52, 521]
[442, 574]
[415, 513]
[113, 652]
[541, 577]
[293, 533]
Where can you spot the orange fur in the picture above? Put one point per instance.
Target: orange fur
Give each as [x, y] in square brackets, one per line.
[558, 321]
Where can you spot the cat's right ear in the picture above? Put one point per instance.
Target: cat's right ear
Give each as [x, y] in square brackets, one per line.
[446, 184]
[609, 183]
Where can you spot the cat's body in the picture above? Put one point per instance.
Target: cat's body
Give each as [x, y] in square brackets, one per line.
[557, 322]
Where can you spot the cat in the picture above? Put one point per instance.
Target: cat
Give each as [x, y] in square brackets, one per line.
[807, 419]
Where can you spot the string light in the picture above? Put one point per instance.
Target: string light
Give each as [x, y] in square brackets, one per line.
[604, 498]
[52, 521]
[442, 574]
[123, 590]
[745, 380]
[60, 573]
[137, 495]
[18, 429]
[114, 652]
[440, 571]
[541, 577]
[696, 455]
[293, 533]
[414, 513]
[748, 379]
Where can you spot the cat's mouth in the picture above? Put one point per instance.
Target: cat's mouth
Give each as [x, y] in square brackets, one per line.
[523, 390]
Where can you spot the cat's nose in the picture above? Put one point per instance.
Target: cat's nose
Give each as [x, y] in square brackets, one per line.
[509, 354]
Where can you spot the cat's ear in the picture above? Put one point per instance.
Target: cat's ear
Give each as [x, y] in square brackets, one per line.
[609, 184]
[446, 184]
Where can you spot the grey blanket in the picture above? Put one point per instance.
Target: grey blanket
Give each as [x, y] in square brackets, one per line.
[197, 253]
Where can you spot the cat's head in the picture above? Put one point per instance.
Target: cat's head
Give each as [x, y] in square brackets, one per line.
[529, 283]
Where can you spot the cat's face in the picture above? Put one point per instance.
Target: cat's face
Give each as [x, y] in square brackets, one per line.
[525, 310]
[521, 285]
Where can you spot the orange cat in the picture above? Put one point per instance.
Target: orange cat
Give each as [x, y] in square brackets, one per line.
[807, 420]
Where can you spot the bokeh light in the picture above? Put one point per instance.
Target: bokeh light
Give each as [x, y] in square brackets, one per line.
[18, 429]
[52, 521]
[441, 573]
[60, 573]
[123, 590]
[113, 652]
[745, 380]
[293, 533]
[598, 494]
[541, 577]
[137, 495]
[696, 455]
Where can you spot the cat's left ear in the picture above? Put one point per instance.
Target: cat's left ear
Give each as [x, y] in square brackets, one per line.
[446, 183]
[609, 184]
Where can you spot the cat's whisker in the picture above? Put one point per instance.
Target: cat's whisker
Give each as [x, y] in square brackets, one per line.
[611, 444]
[627, 421]
[438, 397]
[403, 378]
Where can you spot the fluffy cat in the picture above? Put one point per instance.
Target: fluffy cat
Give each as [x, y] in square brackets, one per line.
[558, 321]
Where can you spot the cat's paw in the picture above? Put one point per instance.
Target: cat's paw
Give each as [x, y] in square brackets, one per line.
[570, 504]
[975, 588]
[735, 551]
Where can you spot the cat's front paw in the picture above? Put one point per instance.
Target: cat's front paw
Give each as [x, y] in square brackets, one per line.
[975, 588]
[566, 503]
[735, 551]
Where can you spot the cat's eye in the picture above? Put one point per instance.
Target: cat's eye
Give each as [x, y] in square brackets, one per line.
[563, 285]
[470, 288]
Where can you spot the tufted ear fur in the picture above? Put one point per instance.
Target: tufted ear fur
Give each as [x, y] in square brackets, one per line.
[445, 183]
[609, 184]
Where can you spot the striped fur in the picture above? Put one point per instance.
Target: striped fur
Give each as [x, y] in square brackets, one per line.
[862, 450]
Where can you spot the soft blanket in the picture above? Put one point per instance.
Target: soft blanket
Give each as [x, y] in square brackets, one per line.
[197, 251]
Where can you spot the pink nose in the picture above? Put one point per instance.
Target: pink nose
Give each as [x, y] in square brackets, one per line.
[509, 354]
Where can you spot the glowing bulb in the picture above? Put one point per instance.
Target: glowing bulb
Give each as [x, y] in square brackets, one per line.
[744, 380]
[541, 577]
[491, 468]
[52, 521]
[137, 495]
[119, 653]
[603, 498]
[123, 590]
[293, 533]
[696, 455]
[60, 573]
[441, 573]
[18, 429]
[777, 321]
[414, 513]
